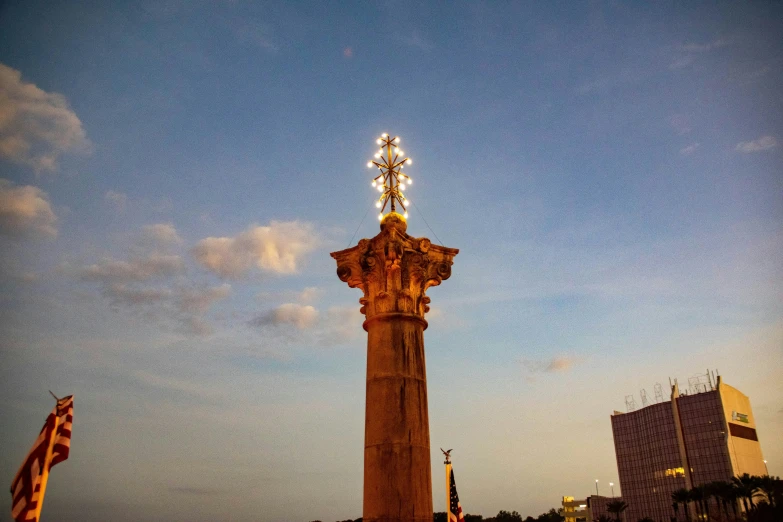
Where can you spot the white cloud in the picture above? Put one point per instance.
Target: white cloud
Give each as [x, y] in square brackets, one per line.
[25, 210]
[198, 301]
[558, 364]
[309, 294]
[161, 235]
[117, 200]
[301, 316]
[112, 271]
[183, 306]
[338, 325]
[690, 149]
[36, 126]
[277, 248]
[762, 143]
[127, 285]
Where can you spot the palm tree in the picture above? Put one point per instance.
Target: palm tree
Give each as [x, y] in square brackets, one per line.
[616, 507]
[771, 487]
[746, 486]
[680, 496]
[676, 508]
[723, 493]
[711, 491]
[730, 494]
[696, 495]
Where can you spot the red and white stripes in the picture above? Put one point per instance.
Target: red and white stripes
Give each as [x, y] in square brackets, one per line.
[51, 447]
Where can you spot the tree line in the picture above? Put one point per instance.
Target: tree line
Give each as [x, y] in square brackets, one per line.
[760, 496]
[503, 516]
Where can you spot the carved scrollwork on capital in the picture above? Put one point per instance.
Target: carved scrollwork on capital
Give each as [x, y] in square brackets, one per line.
[344, 273]
[394, 270]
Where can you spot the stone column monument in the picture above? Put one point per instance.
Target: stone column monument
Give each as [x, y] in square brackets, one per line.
[394, 270]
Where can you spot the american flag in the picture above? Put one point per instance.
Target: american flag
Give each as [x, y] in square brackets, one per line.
[455, 509]
[51, 447]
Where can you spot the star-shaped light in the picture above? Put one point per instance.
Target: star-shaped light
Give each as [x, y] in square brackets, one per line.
[391, 182]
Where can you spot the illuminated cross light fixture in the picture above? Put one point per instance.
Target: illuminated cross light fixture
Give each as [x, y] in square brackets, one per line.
[391, 182]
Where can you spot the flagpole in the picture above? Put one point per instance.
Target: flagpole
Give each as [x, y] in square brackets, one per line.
[46, 462]
[448, 489]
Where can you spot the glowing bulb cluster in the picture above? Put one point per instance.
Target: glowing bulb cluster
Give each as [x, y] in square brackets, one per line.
[391, 183]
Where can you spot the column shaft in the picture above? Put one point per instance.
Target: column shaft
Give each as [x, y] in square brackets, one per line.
[397, 476]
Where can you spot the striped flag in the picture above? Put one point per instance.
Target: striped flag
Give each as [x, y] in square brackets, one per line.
[455, 508]
[51, 447]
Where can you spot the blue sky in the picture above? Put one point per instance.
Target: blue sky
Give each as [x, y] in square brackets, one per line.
[175, 174]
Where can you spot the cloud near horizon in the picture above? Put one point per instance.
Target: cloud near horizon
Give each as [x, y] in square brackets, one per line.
[25, 210]
[36, 126]
[278, 248]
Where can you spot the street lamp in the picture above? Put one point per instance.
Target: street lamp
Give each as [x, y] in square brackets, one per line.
[596, 487]
[611, 485]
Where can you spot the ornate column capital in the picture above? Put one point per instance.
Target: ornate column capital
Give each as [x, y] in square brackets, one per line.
[394, 270]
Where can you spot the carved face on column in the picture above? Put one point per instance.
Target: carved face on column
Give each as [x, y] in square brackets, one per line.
[394, 269]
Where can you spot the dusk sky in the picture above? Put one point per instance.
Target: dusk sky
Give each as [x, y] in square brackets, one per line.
[174, 175]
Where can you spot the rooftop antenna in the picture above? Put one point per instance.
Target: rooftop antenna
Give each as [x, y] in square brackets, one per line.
[630, 403]
[658, 392]
[699, 383]
[643, 394]
[391, 181]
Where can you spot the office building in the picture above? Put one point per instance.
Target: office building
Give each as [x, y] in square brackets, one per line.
[705, 434]
[586, 510]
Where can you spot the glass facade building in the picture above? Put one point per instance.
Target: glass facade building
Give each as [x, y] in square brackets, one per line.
[687, 441]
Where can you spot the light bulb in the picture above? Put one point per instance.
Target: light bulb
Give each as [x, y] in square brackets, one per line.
[384, 135]
[397, 139]
[373, 183]
[410, 181]
[377, 154]
[378, 204]
[380, 188]
[408, 161]
[402, 187]
[379, 141]
[406, 215]
[407, 202]
[401, 153]
[380, 216]
[369, 164]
